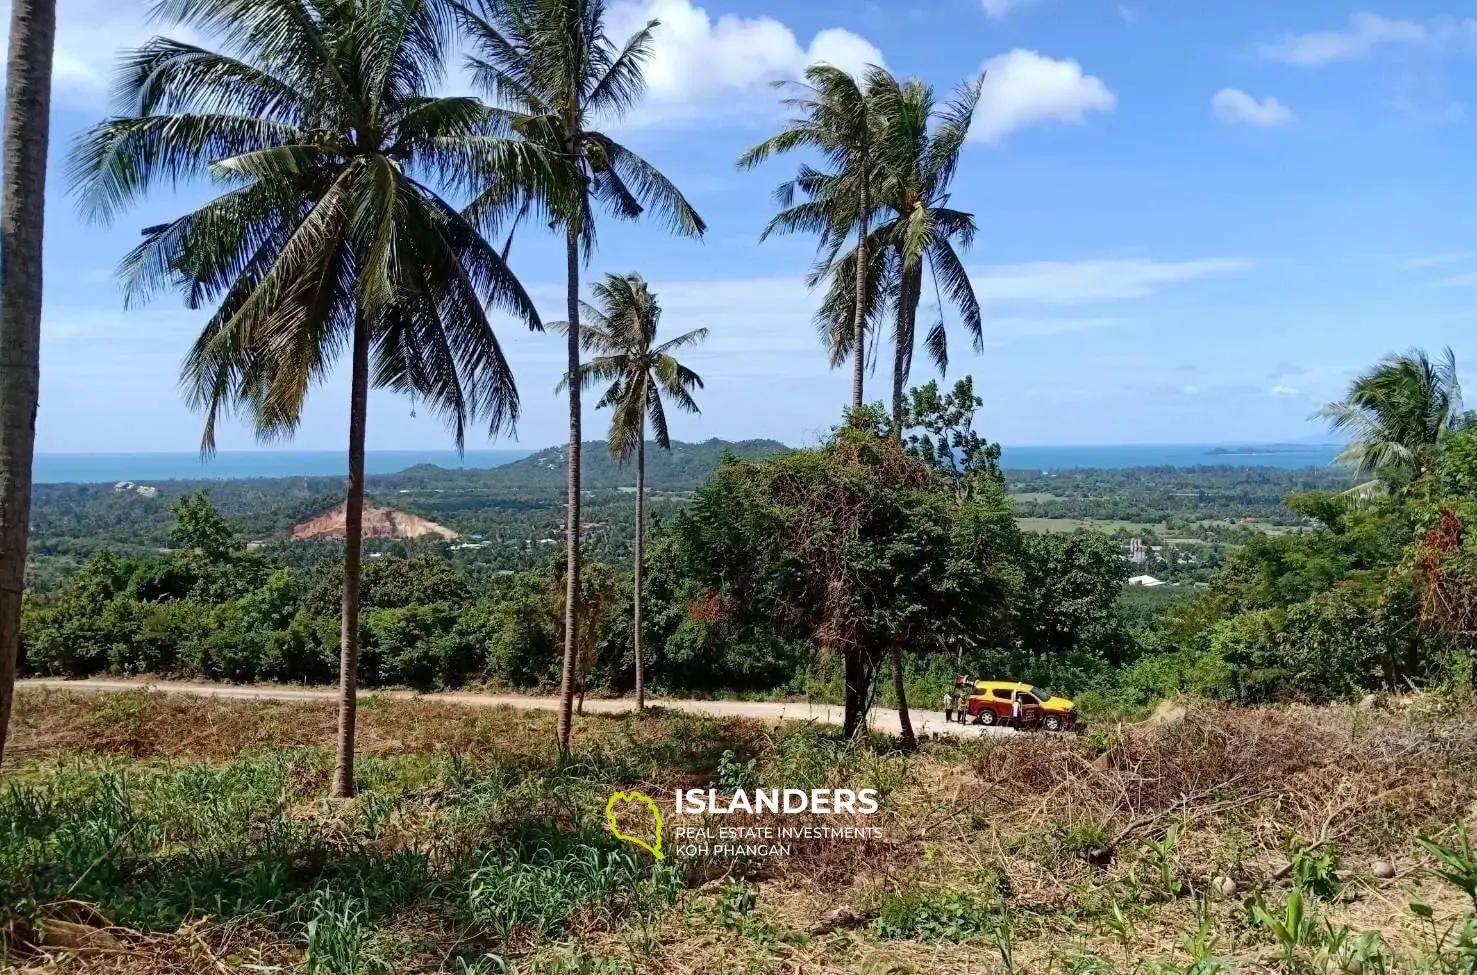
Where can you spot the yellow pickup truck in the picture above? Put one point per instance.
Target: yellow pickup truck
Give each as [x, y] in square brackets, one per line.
[992, 702]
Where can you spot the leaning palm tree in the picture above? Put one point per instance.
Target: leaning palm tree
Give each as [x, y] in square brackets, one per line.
[318, 121]
[832, 115]
[554, 75]
[1397, 414]
[27, 135]
[621, 329]
[915, 240]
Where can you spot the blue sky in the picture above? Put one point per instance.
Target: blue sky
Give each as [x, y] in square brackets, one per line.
[1197, 221]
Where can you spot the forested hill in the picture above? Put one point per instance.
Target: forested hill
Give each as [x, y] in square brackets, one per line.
[522, 499]
[682, 468]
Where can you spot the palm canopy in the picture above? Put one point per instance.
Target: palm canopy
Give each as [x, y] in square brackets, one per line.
[553, 74]
[317, 120]
[621, 329]
[829, 114]
[1396, 414]
[919, 235]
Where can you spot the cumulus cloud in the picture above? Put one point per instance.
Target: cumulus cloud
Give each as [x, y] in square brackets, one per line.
[1365, 33]
[702, 66]
[1023, 88]
[1235, 105]
[996, 9]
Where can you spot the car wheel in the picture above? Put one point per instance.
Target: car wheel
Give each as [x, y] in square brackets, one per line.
[1053, 723]
[986, 718]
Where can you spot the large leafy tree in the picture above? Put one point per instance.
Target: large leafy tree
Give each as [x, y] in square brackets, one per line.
[639, 374]
[832, 115]
[22, 205]
[1396, 414]
[317, 119]
[915, 244]
[554, 75]
[858, 546]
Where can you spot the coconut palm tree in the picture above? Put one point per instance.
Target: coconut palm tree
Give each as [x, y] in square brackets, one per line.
[1397, 414]
[318, 121]
[915, 156]
[621, 329]
[554, 74]
[918, 236]
[26, 137]
[832, 115]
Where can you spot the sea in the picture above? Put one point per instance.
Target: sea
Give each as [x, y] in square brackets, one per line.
[149, 467]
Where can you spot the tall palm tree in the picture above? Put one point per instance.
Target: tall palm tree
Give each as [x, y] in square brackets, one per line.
[22, 204]
[831, 114]
[317, 119]
[553, 73]
[1397, 413]
[621, 329]
[915, 158]
[918, 235]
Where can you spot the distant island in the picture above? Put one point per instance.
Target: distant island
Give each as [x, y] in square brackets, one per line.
[1267, 450]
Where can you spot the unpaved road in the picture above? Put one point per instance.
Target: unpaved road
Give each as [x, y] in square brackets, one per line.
[883, 719]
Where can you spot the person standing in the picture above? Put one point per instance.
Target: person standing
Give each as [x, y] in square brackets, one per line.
[948, 707]
[1015, 710]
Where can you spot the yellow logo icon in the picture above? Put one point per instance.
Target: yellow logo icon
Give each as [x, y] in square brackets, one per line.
[656, 814]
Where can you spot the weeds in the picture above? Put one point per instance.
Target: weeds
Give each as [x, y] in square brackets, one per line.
[474, 850]
[936, 915]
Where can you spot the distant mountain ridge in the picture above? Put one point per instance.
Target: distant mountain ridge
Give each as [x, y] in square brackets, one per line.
[683, 468]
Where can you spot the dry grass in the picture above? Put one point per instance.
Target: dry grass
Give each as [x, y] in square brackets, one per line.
[1136, 820]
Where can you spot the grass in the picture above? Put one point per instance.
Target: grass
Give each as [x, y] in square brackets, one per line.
[143, 833]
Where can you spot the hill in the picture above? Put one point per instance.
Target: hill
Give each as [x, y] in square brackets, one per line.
[682, 468]
[515, 502]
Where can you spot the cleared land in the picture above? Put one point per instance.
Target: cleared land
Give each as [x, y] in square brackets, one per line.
[179, 834]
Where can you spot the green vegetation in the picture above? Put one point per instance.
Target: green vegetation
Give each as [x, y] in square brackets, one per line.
[753, 587]
[148, 833]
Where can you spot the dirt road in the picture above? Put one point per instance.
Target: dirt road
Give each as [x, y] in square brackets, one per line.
[883, 719]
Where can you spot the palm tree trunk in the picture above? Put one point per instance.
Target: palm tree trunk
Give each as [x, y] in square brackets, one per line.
[348, 659]
[905, 723]
[640, 537]
[22, 200]
[859, 321]
[572, 514]
[909, 295]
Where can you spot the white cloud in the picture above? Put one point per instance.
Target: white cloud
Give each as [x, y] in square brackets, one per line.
[702, 66]
[90, 34]
[1465, 280]
[1022, 88]
[996, 9]
[1365, 33]
[1090, 281]
[1286, 391]
[1234, 105]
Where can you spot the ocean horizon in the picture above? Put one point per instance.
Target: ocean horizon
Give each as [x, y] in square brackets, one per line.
[98, 468]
